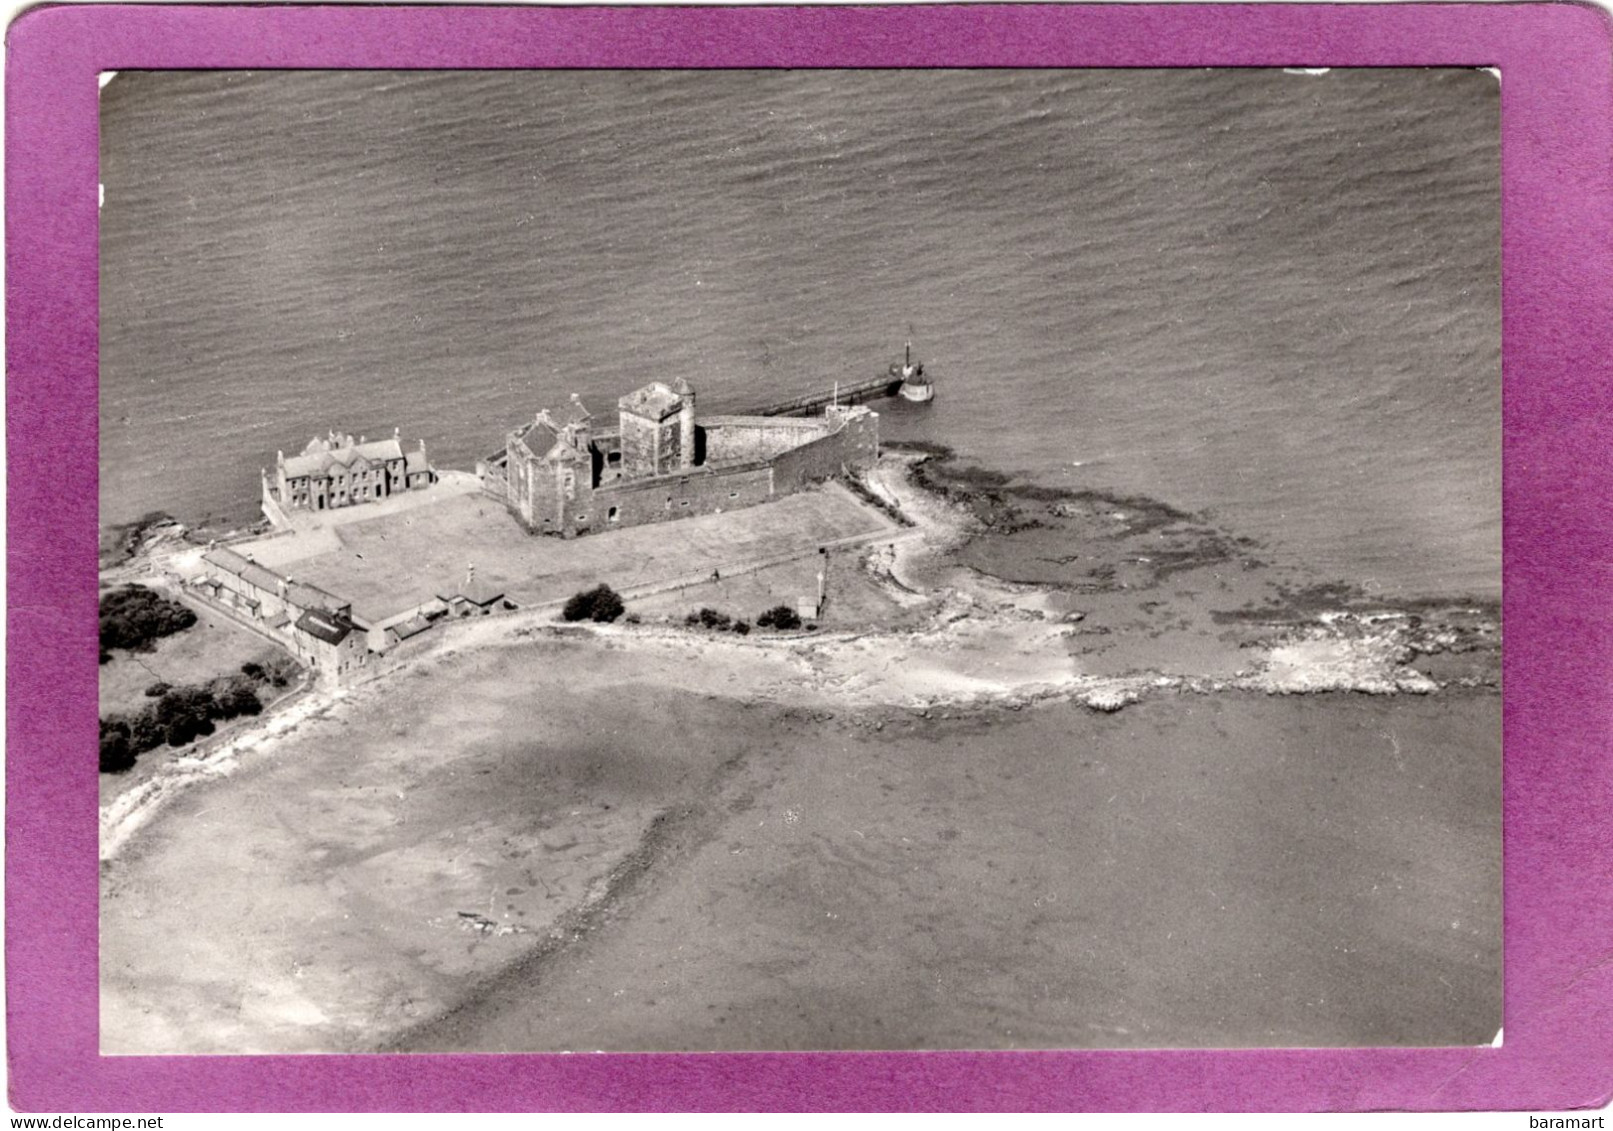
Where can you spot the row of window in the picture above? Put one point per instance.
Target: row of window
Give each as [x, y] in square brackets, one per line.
[301, 498]
[377, 477]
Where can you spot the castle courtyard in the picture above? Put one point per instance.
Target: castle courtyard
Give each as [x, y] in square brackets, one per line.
[398, 559]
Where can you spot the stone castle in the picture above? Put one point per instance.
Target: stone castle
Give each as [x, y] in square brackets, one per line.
[562, 475]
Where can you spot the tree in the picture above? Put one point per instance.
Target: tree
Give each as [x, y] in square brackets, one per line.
[711, 618]
[779, 616]
[234, 697]
[135, 617]
[601, 603]
[116, 755]
[607, 604]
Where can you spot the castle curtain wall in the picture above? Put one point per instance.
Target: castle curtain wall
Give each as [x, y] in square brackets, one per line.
[668, 497]
[854, 444]
[559, 479]
[735, 438]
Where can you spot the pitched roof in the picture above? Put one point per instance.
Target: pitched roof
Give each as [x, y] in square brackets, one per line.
[324, 626]
[228, 561]
[539, 436]
[312, 464]
[416, 461]
[320, 456]
[303, 596]
[414, 626]
[478, 592]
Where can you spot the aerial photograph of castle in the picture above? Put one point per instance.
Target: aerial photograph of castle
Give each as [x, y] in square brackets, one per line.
[785, 560]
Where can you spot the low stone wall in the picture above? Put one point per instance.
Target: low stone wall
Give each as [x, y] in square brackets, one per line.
[397, 656]
[274, 512]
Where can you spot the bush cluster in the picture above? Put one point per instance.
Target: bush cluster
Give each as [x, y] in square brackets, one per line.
[601, 603]
[779, 616]
[189, 712]
[277, 671]
[135, 618]
[183, 714]
[721, 622]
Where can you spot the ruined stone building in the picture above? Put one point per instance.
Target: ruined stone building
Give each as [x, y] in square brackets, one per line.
[338, 471]
[560, 474]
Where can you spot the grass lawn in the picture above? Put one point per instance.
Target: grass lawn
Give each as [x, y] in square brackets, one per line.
[854, 600]
[213, 646]
[393, 563]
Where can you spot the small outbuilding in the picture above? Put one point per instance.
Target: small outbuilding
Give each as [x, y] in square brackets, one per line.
[473, 597]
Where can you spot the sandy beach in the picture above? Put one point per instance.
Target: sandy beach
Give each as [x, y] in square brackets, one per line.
[1149, 792]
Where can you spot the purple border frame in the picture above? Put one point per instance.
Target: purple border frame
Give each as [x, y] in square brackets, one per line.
[1557, 173]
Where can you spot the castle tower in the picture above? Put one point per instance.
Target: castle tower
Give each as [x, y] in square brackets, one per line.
[686, 426]
[652, 436]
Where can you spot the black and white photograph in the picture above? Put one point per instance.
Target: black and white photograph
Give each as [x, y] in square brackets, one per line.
[741, 560]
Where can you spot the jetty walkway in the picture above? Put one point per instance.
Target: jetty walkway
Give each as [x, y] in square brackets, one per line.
[853, 392]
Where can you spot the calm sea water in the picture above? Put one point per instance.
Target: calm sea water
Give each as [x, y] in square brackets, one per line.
[1273, 297]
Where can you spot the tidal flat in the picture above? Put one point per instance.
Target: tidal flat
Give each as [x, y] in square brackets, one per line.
[541, 855]
[1167, 798]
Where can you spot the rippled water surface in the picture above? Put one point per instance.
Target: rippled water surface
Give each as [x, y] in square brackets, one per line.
[1273, 297]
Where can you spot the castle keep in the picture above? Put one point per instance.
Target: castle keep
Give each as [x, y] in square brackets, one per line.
[563, 475]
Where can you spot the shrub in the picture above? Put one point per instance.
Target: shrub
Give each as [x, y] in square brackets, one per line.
[135, 617]
[601, 603]
[188, 728]
[253, 670]
[180, 715]
[607, 604]
[145, 733]
[711, 618]
[157, 689]
[742, 627]
[116, 755]
[232, 697]
[279, 671]
[779, 616]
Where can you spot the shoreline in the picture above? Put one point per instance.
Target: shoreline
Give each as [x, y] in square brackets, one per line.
[398, 779]
[1313, 640]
